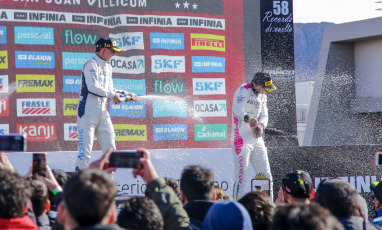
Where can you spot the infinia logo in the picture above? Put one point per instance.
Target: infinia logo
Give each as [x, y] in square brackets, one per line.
[79, 37]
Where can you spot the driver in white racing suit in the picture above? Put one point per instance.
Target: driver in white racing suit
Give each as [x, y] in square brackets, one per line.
[92, 115]
[249, 119]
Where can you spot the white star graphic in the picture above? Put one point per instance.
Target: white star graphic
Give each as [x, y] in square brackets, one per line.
[195, 7]
[177, 5]
[186, 4]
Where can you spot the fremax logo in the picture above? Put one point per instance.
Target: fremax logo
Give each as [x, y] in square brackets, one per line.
[129, 40]
[166, 132]
[3, 83]
[208, 64]
[74, 61]
[4, 129]
[79, 37]
[170, 108]
[34, 35]
[208, 86]
[35, 83]
[4, 59]
[169, 86]
[4, 107]
[3, 35]
[34, 60]
[210, 108]
[162, 63]
[70, 132]
[129, 109]
[36, 107]
[71, 84]
[38, 132]
[129, 65]
[127, 132]
[167, 41]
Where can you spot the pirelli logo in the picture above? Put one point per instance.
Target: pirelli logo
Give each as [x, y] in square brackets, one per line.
[35, 83]
[207, 42]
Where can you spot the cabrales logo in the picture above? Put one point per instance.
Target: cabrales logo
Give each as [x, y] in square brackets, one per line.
[208, 86]
[34, 60]
[167, 132]
[167, 41]
[128, 109]
[207, 42]
[170, 108]
[162, 64]
[70, 106]
[127, 132]
[36, 107]
[70, 132]
[129, 40]
[137, 86]
[35, 83]
[169, 86]
[34, 35]
[129, 65]
[74, 61]
[4, 129]
[210, 132]
[4, 107]
[4, 59]
[71, 84]
[3, 83]
[38, 132]
[79, 36]
[210, 108]
[208, 64]
[3, 35]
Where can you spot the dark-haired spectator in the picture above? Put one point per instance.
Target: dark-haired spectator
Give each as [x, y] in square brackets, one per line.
[174, 184]
[197, 192]
[40, 203]
[376, 189]
[260, 208]
[140, 213]
[304, 217]
[219, 193]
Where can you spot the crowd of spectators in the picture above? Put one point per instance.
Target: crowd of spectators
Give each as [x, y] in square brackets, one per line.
[86, 201]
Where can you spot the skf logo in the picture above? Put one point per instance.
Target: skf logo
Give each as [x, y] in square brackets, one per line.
[70, 107]
[4, 129]
[129, 41]
[35, 83]
[36, 107]
[38, 132]
[4, 59]
[162, 63]
[125, 132]
[70, 132]
[4, 107]
[3, 83]
[207, 42]
[208, 86]
[210, 108]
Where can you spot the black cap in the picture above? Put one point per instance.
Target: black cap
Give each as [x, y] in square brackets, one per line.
[106, 42]
[298, 184]
[264, 80]
[376, 188]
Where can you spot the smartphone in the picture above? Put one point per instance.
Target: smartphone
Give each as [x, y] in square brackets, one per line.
[378, 158]
[260, 185]
[39, 164]
[13, 143]
[126, 159]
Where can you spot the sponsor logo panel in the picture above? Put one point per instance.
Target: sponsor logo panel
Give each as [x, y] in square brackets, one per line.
[3, 59]
[163, 63]
[71, 84]
[70, 106]
[34, 35]
[207, 42]
[208, 64]
[129, 40]
[4, 107]
[3, 83]
[135, 109]
[169, 86]
[34, 59]
[210, 108]
[137, 86]
[74, 60]
[130, 65]
[127, 132]
[35, 83]
[3, 35]
[4, 129]
[165, 132]
[38, 132]
[208, 86]
[36, 107]
[70, 132]
[79, 36]
[211, 132]
[167, 41]
[170, 108]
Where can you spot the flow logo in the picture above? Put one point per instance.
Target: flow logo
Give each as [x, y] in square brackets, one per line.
[208, 86]
[129, 65]
[71, 84]
[74, 61]
[35, 83]
[210, 108]
[38, 132]
[129, 41]
[170, 108]
[4, 59]
[127, 132]
[4, 107]
[34, 60]
[169, 86]
[3, 35]
[34, 35]
[70, 132]
[210, 132]
[70, 106]
[36, 107]
[208, 64]
[3, 83]
[135, 109]
[162, 63]
[4, 129]
[167, 41]
[167, 132]
[137, 86]
[207, 42]
[79, 36]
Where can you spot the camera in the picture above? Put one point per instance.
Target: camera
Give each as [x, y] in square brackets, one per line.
[39, 164]
[126, 159]
[13, 143]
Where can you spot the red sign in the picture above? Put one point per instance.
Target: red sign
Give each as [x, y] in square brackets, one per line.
[38, 132]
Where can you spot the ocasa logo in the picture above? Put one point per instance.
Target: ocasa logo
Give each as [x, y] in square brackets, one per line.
[208, 86]
[4, 107]
[70, 132]
[210, 108]
[169, 86]
[126, 132]
[162, 63]
[38, 132]
[129, 65]
[35, 83]
[79, 37]
[129, 41]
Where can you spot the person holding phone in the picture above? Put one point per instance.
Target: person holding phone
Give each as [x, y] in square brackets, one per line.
[92, 115]
[249, 119]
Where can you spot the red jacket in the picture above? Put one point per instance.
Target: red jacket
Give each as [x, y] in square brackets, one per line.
[24, 222]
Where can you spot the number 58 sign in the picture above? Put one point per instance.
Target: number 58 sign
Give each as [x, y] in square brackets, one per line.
[280, 7]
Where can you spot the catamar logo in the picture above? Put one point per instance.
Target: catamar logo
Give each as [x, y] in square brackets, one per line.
[162, 63]
[210, 108]
[70, 132]
[126, 132]
[170, 109]
[38, 132]
[72, 84]
[79, 37]
[4, 59]
[4, 107]
[166, 132]
[3, 35]
[36, 107]
[129, 40]
[210, 132]
[169, 86]
[70, 106]
[3, 83]
[208, 64]
[128, 109]
[137, 86]
[74, 61]
[34, 35]
[167, 41]
[4, 129]
[129, 65]
[208, 86]
[34, 60]
[35, 83]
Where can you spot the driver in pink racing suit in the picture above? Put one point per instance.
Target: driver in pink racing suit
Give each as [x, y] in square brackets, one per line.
[249, 119]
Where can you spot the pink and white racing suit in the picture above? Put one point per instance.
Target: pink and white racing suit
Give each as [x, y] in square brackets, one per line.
[245, 145]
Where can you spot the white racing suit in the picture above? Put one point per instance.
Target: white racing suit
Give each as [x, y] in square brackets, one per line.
[246, 147]
[92, 115]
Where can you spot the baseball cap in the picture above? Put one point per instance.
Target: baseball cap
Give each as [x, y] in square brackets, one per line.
[376, 188]
[298, 184]
[106, 42]
[264, 80]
